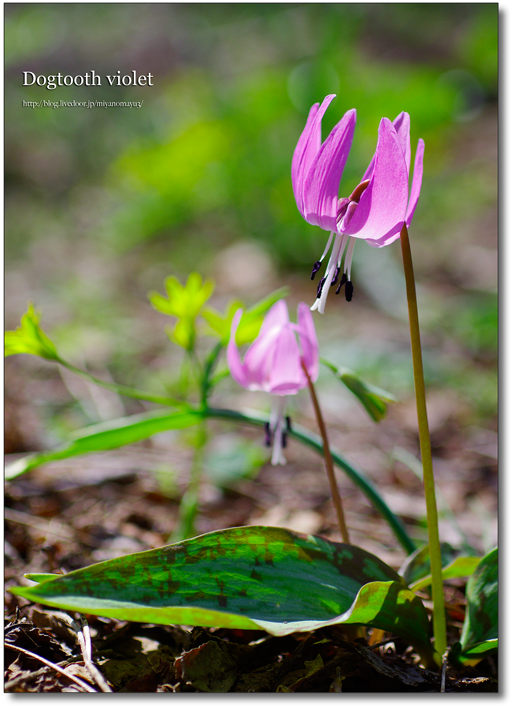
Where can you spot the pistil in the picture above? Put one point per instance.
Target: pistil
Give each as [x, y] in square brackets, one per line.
[277, 431]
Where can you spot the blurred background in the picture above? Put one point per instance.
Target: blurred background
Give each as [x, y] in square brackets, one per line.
[101, 205]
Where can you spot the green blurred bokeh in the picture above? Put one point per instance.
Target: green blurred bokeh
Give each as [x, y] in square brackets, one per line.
[102, 204]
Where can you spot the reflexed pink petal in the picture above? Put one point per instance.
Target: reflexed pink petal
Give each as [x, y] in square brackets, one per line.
[272, 362]
[254, 371]
[416, 183]
[302, 143]
[402, 127]
[370, 169]
[236, 367]
[310, 145]
[308, 340]
[258, 360]
[287, 376]
[386, 239]
[382, 206]
[394, 233]
[276, 316]
[320, 188]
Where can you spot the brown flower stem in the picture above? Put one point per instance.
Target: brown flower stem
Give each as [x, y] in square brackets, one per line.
[439, 616]
[328, 459]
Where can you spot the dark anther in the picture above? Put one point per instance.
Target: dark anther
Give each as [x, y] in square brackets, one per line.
[349, 289]
[284, 439]
[267, 434]
[320, 287]
[288, 423]
[316, 267]
[343, 280]
[335, 278]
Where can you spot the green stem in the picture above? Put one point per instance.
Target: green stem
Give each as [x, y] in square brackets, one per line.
[189, 506]
[206, 381]
[439, 617]
[313, 441]
[120, 389]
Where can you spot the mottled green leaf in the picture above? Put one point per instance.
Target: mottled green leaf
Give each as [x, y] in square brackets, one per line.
[245, 577]
[30, 338]
[481, 622]
[374, 399]
[108, 435]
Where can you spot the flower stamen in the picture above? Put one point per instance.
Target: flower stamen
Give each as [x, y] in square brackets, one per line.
[319, 262]
[331, 275]
[315, 268]
[343, 280]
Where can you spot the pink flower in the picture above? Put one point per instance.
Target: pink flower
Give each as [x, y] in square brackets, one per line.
[377, 208]
[272, 362]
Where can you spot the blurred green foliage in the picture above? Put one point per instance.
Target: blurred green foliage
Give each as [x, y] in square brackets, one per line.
[216, 132]
[30, 338]
[102, 204]
[185, 304]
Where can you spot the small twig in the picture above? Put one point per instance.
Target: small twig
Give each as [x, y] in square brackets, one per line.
[76, 680]
[328, 458]
[82, 631]
[47, 527]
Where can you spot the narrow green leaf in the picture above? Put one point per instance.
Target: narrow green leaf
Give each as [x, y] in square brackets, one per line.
[481, 621]
[108, 435]
[374, 399]
[475, 653]
[39, 578]
[297, 432]
[245, 577]
[416, 566]
[263, 306]
[122, 389]
[460, 567]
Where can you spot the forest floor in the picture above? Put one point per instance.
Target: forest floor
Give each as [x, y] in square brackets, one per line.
[72, 513]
